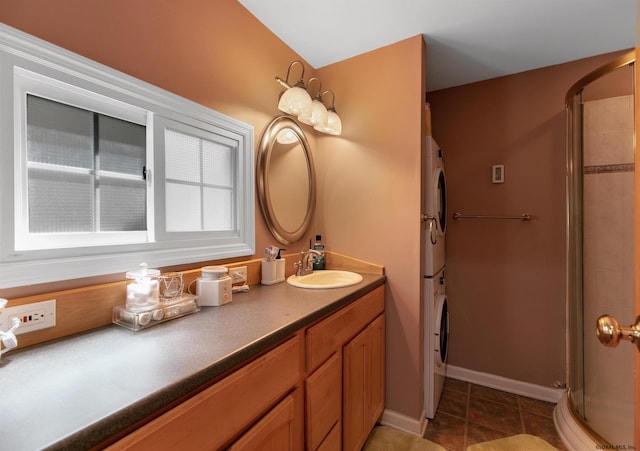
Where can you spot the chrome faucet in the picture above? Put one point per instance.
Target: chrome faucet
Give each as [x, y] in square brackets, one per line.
[305, 265]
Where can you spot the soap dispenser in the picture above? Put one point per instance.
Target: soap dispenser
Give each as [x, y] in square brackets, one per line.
[318, 246]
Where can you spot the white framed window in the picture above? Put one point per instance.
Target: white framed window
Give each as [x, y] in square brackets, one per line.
[100, 171]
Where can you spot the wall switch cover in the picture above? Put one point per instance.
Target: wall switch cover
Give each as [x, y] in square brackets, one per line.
[497, 173]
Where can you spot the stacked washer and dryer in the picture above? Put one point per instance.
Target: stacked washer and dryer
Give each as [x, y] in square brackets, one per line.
[436, 316]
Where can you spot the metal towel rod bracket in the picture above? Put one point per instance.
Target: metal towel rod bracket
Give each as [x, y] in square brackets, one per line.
[524, 217]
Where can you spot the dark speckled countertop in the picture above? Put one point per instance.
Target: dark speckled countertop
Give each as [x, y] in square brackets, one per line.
[76, 392]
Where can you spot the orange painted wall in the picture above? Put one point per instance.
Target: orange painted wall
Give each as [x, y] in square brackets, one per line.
[506, 279]
[370, 193]
[215, 53]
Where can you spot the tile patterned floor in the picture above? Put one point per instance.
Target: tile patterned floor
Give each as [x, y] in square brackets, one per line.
[470, 413]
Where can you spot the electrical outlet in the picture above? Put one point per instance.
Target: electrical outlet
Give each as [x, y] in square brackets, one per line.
[238, 275]
[35, 316]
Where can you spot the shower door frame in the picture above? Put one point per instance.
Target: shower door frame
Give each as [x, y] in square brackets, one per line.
[636, 259]
[574, 243]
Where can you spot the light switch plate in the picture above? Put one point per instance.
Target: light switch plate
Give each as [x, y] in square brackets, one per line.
[497, 173]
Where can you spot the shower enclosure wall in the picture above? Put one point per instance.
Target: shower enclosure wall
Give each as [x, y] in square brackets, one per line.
[599, 408]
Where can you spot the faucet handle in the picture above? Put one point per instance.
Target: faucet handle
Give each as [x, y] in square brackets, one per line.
[299, 265]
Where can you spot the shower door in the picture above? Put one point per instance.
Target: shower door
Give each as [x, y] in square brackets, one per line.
[601, 252]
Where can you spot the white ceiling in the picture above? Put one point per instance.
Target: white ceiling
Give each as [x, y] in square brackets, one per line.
[467, 40]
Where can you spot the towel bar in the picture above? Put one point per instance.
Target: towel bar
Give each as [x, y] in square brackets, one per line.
[524, 217]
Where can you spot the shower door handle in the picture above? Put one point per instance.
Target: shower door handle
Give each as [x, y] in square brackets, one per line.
[610, 332]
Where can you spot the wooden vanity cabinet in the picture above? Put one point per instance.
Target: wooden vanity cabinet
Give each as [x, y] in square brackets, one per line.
[322, 389]
[263, 398]
[345, 351]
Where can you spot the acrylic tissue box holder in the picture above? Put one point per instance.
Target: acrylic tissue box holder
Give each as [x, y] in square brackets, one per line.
[273, 271]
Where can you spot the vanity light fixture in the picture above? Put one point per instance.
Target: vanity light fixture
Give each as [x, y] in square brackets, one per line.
[296, 101]
[334, 124]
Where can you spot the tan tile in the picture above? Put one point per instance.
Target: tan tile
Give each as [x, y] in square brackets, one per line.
[614, 147]
[491, 394]
[470, 414]
[447, 431]
[479, 434]
[495, 415]
[454, 403]
[457, 385]
[615, 113]
[543, 427]
[536, 406]
[590, 116]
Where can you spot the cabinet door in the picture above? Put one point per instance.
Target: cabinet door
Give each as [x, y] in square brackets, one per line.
[354, 387]
[363, 398]
[276, 431]
[324, 400]
[377, 370]
[333, 441]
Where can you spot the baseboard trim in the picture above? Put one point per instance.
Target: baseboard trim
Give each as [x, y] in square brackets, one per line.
[534, 391]
[404, 423]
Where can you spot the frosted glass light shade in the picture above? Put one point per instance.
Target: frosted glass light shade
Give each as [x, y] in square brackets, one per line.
[317, 115]
[295, 101]
[333, 125]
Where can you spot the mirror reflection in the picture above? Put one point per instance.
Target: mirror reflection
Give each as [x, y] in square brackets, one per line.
[286, 180]
[288, 186]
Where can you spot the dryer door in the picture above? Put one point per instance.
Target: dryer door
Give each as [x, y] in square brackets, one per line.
[440, 200]
[441, 329]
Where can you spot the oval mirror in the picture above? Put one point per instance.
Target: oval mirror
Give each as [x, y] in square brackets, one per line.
[286, 180]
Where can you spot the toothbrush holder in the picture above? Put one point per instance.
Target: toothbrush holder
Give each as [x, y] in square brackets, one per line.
[273, 271]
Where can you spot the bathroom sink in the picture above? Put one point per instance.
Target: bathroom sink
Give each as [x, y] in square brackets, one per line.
[329, 278]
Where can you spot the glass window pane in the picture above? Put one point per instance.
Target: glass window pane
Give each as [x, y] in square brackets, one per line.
[217, 164]
[182, 157]
[121, 145]
[60, 202]
[59, 134]
[217, 209]
[183, 208]
[185, 156]
[122, 205]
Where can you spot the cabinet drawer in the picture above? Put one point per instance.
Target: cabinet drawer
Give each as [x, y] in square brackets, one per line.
[329, 335]
[215, 416]
[276, 431]
[324, 400]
